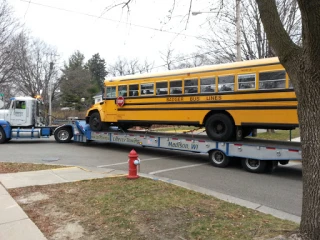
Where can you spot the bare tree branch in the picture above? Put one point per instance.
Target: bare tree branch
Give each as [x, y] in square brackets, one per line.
[283, 46]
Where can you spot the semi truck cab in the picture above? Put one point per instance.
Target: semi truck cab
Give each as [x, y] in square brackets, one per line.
[23, 112]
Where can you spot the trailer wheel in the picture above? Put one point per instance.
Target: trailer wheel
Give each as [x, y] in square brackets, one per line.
[95, 122]
[254, 165]
[220, 127]
[2, 135]
[284, 162]
[63, 135]
[219, 159]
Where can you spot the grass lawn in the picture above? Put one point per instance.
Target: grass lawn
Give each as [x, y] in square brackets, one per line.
[175, 128]
[117, 208]
[281, 135]
[9, 167]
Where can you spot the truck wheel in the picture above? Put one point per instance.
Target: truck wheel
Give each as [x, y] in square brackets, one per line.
[63, 135]
[95, 122]
[219, 159]
[254, 165]
[220, 127]
[2, 135]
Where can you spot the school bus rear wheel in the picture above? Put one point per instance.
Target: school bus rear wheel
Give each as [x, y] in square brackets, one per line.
[220, 127]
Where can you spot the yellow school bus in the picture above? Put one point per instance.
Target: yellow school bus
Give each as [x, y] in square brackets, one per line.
[227, 99]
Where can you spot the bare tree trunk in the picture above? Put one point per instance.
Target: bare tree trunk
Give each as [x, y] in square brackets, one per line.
[309, 116]
[303, 66]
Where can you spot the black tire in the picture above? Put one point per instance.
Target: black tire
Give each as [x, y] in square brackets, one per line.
[63, 135]
[219, 159]
[284, 162]
[95, 122]
[254, 165]
[220, 127]
[2, 135]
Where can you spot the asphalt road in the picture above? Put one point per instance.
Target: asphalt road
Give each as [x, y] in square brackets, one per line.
[280, 190]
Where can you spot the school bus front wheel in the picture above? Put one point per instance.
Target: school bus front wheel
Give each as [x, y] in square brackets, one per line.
[95, 122]
[220, 127]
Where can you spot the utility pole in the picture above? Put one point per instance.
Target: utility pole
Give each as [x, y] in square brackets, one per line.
[50, 93]
[238, 26]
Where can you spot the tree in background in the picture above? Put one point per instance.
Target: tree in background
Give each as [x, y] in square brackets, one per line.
[76, 83]
[9, 28]
[97, 69]
[124, 67]
[179, 61]
[254, 44]
[36, 68]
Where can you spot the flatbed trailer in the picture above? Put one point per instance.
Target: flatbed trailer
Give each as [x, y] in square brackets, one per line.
[256, 155]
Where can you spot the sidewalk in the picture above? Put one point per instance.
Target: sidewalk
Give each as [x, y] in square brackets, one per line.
[16, 225]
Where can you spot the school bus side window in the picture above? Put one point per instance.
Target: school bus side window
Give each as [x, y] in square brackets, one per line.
[147, 89]
[134, 90]
[246, 81]
[226, 83]
[207, 84]
[176, 87]
[122, 90]
[271, 80]
[190, 86]
[111, 92]
[162, 88]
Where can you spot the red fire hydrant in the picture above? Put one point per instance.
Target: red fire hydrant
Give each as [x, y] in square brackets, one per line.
[134, 161]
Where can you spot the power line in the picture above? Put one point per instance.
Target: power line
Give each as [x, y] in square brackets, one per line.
[108, 19]
[132, 24]
[27, 9]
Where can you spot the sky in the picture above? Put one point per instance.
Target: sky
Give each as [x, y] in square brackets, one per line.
[85, 25]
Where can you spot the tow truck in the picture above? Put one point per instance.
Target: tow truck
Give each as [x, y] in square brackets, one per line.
[256, 155]
[23, 119]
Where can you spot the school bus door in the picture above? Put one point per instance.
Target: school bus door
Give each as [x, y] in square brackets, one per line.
[110, 106]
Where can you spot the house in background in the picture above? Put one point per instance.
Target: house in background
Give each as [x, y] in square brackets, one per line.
[97, 98]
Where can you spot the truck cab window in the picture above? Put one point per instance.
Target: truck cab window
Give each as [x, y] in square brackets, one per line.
[20, 105]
